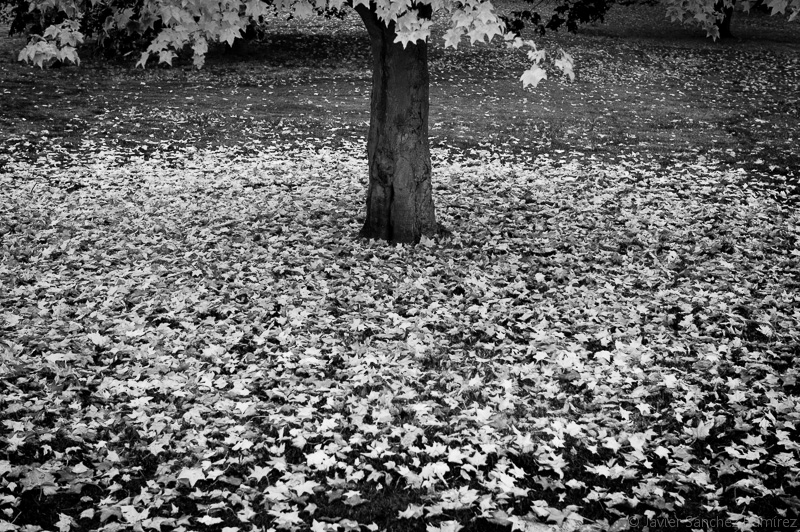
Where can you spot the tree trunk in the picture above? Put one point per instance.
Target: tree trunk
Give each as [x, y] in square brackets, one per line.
[725, 24]
[399, 196]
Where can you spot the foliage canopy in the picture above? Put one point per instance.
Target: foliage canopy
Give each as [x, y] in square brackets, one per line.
[58, 27]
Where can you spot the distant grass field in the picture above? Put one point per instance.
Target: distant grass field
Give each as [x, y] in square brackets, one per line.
[645, 87]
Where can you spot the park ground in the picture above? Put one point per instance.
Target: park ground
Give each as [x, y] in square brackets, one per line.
[192, 337]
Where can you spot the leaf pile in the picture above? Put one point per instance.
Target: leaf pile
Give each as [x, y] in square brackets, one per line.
[196, 340]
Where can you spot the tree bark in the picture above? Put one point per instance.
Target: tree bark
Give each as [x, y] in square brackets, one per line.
[725, 24]
[399, 197]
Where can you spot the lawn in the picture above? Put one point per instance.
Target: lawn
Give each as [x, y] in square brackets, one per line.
[193, 338]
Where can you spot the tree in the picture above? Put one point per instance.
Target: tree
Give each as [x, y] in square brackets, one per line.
[715, 16]
[400, 205]
[568, 12]
[724, 24]
[399, 198]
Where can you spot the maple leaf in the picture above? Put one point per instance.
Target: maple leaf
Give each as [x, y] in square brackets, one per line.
[208, 520]
[132, 515]
[11, 320]
[242, 445]
[452, 37]
[477, 459]
[166, 56]
[98, 339]
[231, 33]
[477, 34]
[662, 451]
[701, 431]
[285, 519]
[753, 440]
[566, 64]
[157, 447]
[445, 526]
[600, 469]
[143, 59]
[533, 76]
[436, 469]
[320, 459]
[321, 526]
[246, 514]
[737, 396]
[64, 523]
[305, 487]
[777, 6]
[462, 497]
[79, 468]
[437, 449]
[638, 441]
[113, 457]
[612, 444]
[573, 429]
[411, 512]
[528, 523]
[670, 381]
[259, 472]
[303, 9]
[784, 460]
[353, 498]
[555, 462]
[37, 478]
[192, 475]
[278, 492]
[155, 523]
[455, 455]
[15, 441]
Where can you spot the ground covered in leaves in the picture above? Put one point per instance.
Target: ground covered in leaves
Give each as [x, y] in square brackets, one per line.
[192, 337]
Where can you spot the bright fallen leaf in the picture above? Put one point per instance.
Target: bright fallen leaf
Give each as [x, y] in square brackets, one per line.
[208, 520]
[192, 474]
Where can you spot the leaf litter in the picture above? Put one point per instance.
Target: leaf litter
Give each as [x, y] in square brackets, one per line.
[195, 339]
